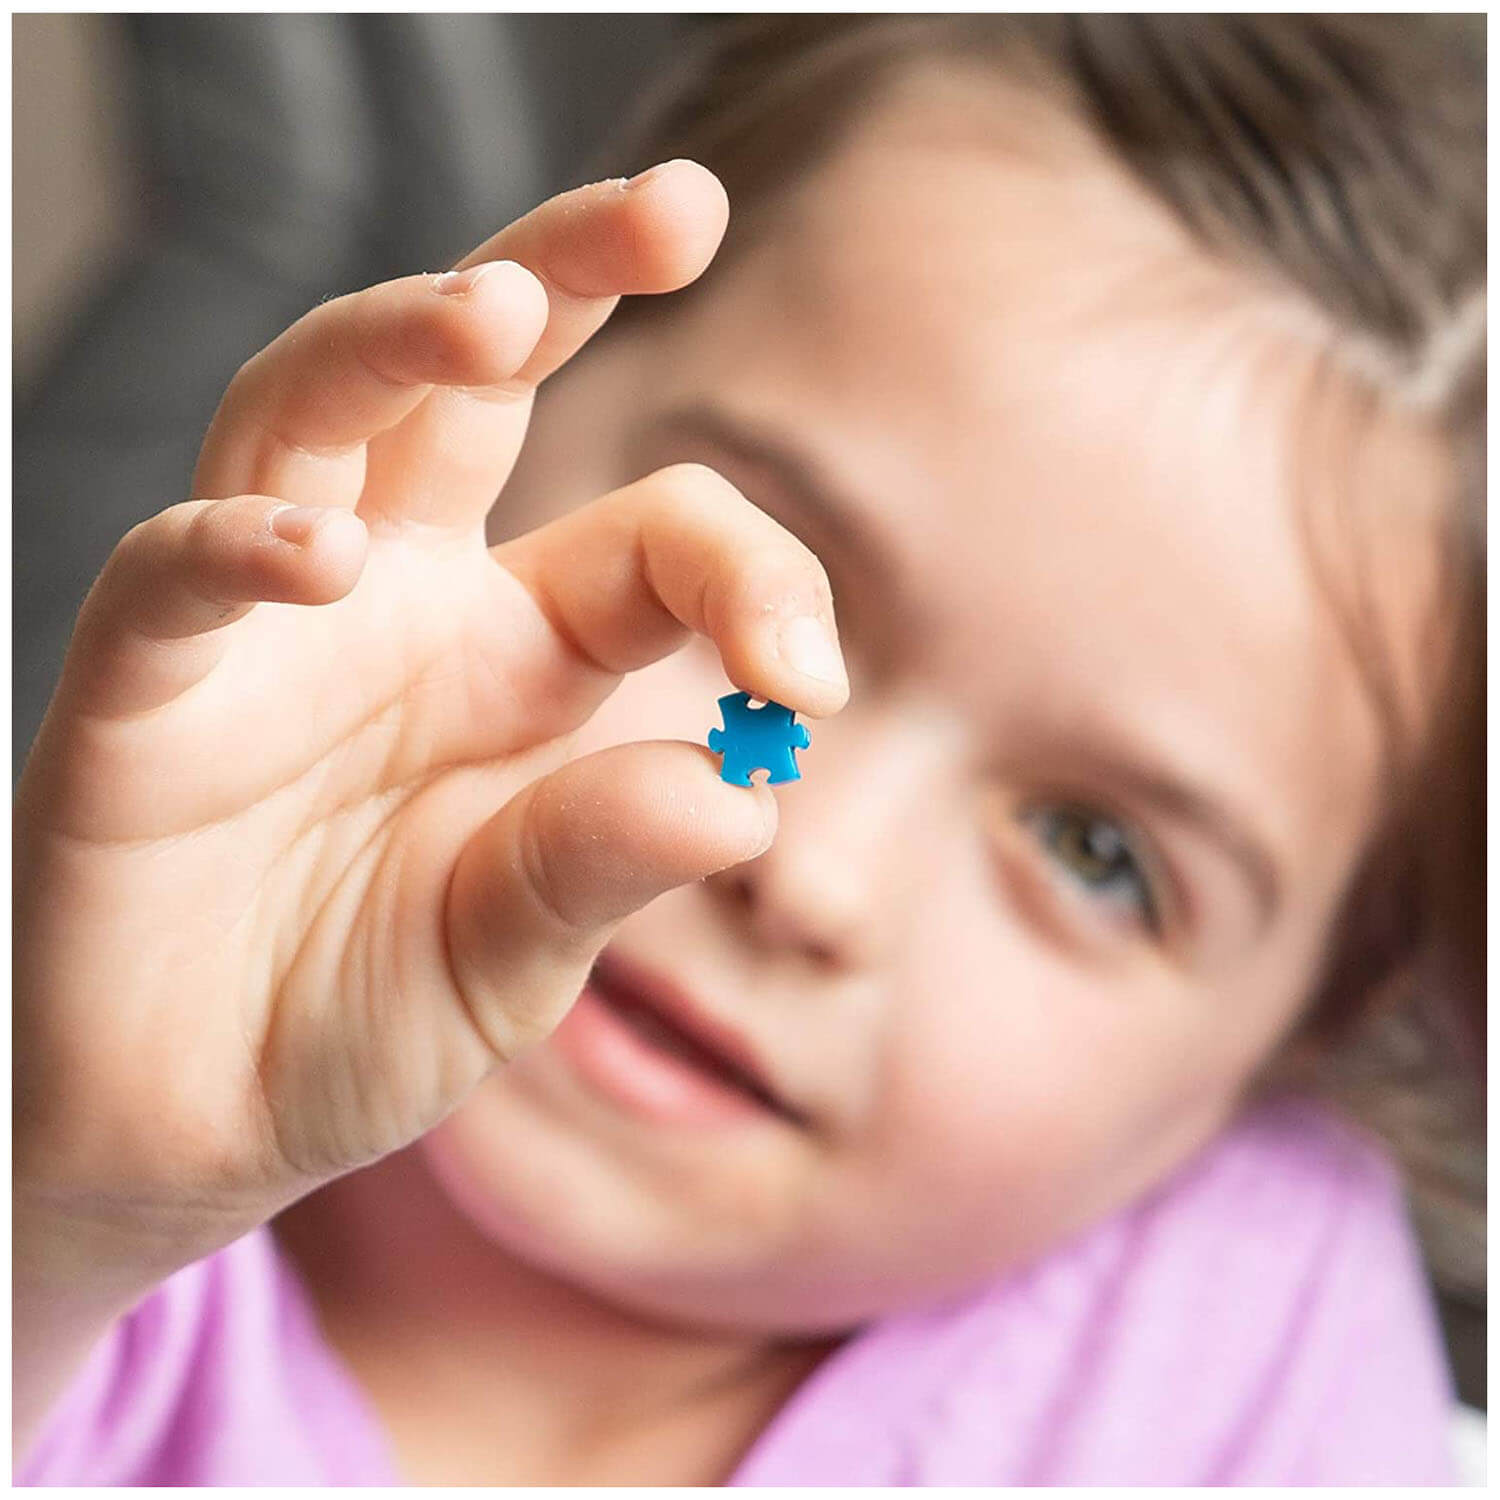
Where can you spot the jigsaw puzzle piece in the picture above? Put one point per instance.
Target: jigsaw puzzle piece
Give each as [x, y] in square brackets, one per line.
[755, 739]
[734, 769]
[782, 764]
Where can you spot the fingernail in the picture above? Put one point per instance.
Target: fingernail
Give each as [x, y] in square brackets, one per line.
[456, 283]
[808, 647]
[651, 173]
[297, 523]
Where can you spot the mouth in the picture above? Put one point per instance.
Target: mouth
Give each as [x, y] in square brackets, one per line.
[647, 1045]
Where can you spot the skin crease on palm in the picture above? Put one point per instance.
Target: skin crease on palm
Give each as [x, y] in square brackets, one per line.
[1069, 565]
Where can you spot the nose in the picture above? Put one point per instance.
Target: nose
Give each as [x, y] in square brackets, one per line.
[828, 889]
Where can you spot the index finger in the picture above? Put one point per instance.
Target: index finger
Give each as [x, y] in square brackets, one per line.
[623, 581]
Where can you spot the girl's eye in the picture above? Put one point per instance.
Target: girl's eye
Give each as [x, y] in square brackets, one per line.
[1095, 853]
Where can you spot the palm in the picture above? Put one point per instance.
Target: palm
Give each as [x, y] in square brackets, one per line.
[441, 691]
[439, 719]
[325, 776]
[437, 659]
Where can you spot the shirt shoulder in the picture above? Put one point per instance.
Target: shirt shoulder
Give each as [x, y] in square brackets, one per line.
[219, 1376]
[1345, 1377]
[1260, 1317]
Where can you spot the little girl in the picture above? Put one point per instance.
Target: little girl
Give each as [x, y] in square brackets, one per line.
[430, 1070]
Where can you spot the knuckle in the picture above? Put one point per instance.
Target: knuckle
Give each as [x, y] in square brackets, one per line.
[258, 373]
[192, 540]
[420, 343]
[137, 543]
[786, 585]
[448, 333]
[537, 867]
[753, 553]
[694, 490]
[514, 1025]
[131, 562]
[804, 569]
[214, 529]
[493, 1009]
[795, 554]
[148, 540]
[470, 349]
[689, 488]
[782, 558]
[248, 378]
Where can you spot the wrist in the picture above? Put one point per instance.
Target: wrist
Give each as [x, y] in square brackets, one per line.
[105, 1251]
[78, 1267]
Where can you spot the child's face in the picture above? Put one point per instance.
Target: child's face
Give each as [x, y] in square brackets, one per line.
[1057, 880]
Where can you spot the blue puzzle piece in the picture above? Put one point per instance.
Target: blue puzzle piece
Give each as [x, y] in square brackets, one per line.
[757, 739]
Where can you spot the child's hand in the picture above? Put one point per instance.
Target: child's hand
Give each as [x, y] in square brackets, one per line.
[298, 856]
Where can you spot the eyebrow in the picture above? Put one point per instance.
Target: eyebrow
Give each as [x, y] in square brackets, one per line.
[795, 472]
[1144, 780]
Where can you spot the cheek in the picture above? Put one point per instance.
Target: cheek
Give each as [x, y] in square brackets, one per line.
[1022, 1093]
[979, 1099]
[562, 1189]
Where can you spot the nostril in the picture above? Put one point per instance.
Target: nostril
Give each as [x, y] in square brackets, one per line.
[743, 893]
[824, 955]
[734, 885]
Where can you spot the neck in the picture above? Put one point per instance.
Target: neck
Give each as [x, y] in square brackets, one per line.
[481, 1365]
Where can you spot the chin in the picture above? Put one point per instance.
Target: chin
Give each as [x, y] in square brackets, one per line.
[686, 1247]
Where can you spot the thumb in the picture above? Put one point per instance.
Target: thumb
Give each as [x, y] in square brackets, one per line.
[538, 890]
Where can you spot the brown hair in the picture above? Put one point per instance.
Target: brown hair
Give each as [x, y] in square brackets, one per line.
[1343, 156]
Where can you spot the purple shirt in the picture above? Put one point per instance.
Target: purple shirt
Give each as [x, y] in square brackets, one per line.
[1260, 1318]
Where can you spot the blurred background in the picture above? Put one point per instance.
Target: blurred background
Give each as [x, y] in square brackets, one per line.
[187, 186]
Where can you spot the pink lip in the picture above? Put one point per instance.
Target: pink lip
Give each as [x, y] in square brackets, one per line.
[648, 1080]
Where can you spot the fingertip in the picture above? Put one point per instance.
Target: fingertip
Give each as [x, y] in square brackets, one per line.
[807, 646]
[747, 816]
[821, 700]
[612, 830]
[505, 317]
[810, 680]
[770, 812]
[809, 700]
[681, 212]
[341, 542]
[520, 292]
[333, 543]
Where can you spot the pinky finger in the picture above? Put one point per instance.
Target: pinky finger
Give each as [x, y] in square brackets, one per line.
[146, 631]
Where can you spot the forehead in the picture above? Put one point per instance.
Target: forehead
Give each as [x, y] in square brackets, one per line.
[1075, 433]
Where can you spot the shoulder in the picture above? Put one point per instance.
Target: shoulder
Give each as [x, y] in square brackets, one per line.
[209, 1380]
[1293, 1151]
[1264, 1318]
[1288, 1192]
[1345, 1379]
[1259, 1317]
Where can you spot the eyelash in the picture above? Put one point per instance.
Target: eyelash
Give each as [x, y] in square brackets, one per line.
[1051, 823]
